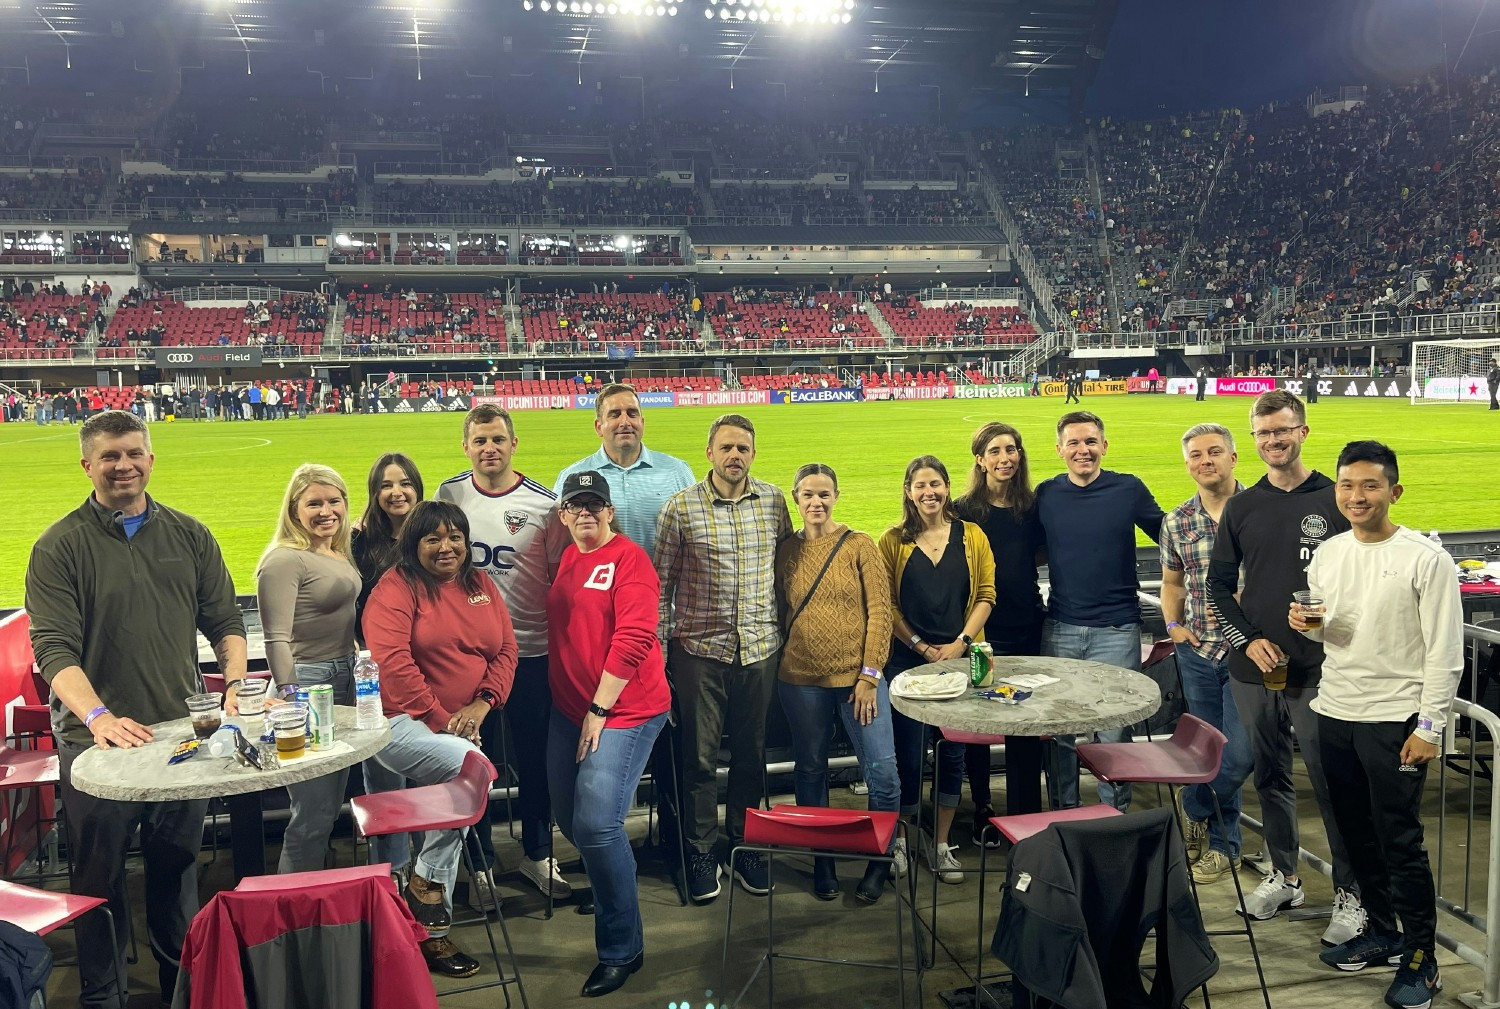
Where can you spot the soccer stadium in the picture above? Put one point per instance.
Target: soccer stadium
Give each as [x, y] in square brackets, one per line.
[1038, 458]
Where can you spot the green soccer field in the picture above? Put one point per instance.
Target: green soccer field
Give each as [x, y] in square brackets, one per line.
[232, 476]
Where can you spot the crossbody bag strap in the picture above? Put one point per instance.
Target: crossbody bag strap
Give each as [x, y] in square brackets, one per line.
[818, 580]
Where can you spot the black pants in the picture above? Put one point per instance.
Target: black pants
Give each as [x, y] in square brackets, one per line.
[715, 697]
[528, 711]
[99, 832]
[1377, 802]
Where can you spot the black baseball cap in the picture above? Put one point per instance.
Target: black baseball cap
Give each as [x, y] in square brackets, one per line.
[586, 482]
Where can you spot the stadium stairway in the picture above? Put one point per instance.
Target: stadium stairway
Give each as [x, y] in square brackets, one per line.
[877, 319]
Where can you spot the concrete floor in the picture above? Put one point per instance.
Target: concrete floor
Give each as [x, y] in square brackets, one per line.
[684, 944]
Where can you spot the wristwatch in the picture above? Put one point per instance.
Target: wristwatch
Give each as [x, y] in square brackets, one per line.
[594, 709]
[966, 640]
[914, 640]
[488, 696]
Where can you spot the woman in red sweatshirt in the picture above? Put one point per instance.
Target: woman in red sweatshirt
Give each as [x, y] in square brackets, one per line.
[609, 701]
[447, 656]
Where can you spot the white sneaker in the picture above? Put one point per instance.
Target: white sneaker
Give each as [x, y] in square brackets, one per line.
[544, 874]
[898, 856]
[481, 891]
[941, 860]
[1349, 918]
[1274, 895]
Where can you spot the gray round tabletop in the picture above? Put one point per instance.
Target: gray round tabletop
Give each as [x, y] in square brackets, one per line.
[1088, 696]
[142, 774]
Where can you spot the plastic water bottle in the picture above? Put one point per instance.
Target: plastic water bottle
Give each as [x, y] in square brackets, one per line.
[221, 743]
[1437, 540]
[368, 713]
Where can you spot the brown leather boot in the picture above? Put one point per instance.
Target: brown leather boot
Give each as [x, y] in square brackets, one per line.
[425, 899]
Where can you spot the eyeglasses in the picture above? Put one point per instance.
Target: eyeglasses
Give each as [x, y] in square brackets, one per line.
[1274, 432]
[593, 506]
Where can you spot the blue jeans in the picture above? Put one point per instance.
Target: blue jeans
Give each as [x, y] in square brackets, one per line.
[315, 804]
[1117, 646]
[1205, 686]
[591, 798]
[810, 711]
[427, 758]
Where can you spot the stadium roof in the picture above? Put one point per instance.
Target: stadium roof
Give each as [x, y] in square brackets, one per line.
[1009, 46]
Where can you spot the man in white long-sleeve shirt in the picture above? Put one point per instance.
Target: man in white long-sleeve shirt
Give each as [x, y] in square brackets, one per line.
[1392, 631]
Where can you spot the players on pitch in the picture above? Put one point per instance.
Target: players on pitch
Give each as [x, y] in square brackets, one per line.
[1295, 604]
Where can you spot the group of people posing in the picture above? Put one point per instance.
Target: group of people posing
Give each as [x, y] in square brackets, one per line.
[561, 610]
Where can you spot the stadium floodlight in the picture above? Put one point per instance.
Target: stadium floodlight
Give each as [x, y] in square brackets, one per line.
[820, 12]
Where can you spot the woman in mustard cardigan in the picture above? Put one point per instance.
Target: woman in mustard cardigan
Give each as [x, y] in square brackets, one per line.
[942, 588]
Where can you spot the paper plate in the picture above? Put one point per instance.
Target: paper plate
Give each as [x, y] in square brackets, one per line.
[930, 687]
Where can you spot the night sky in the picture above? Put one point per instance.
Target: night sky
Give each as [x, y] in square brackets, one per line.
[1175, 55]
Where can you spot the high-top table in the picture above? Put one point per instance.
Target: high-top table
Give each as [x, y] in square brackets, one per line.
[1089, 696]
[142, 774]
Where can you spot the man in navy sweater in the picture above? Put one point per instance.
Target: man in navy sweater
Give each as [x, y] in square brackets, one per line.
[1090, 516]
[1270, 532]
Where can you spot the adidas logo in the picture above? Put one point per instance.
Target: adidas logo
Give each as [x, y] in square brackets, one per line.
[404, 407]
[431, 406]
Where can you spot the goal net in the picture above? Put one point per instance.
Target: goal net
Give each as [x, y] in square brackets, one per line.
[1452, 371]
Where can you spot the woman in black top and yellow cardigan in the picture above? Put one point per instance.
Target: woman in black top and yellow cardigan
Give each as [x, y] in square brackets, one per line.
[943, 588]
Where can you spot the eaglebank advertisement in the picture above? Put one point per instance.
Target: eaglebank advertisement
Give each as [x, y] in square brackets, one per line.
[817, 395]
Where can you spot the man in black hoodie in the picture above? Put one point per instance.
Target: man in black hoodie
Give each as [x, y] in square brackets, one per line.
[1269, 533]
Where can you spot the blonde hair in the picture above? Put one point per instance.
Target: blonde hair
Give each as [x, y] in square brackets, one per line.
[291, 533]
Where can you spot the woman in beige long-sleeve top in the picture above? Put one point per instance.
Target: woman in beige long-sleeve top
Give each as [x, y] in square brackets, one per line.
[836, 609]
[307, 585]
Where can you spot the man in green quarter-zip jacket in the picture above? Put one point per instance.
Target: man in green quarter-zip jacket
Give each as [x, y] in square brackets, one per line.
[115, 591]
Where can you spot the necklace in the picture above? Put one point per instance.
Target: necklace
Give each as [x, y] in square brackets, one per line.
[933, 545]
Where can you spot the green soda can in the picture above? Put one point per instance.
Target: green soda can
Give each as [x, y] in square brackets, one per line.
[981, 663]
[320, 716]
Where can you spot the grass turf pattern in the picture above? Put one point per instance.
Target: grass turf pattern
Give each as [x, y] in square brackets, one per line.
[232, 476]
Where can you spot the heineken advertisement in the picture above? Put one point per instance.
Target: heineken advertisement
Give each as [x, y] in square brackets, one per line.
[1007, 391]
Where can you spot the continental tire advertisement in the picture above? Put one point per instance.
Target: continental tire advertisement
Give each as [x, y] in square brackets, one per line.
[1112, 387]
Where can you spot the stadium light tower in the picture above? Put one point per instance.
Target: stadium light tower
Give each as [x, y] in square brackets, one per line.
[804, 12]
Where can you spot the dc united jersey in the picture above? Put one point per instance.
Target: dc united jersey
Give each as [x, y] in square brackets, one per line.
[517, 537]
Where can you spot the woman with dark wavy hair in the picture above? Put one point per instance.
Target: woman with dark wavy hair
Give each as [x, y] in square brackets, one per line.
[447, 654]
[395, 488]
[943, 588]
[1001, 501]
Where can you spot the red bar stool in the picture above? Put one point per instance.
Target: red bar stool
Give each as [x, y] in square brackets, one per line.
[45, 911]
[817, 831]
[452, 805]
[1190, 757]
[21, 771]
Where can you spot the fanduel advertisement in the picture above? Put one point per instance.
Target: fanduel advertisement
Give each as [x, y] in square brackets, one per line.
[586, 401]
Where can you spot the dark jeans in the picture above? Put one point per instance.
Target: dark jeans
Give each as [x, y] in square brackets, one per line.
[1205, 687]
[1267, 715]
[593, 796]
[712, 696]
[911, 753]
[1023, 754]
[99, 834]
[1377, 802]
[528, 711]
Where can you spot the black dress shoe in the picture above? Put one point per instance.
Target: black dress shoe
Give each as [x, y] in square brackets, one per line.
[605, 978]
[873, 885]
[447, 959]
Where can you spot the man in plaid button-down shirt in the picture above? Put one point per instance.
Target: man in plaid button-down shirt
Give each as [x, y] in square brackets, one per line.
[1187, 543]
[715, 548]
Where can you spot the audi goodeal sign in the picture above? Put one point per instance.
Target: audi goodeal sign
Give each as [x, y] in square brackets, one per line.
[208, 357]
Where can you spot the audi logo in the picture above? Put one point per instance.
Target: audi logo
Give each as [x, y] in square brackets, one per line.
[180, 358]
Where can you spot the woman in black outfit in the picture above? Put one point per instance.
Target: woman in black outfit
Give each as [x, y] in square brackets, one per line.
[1000, 500]
[395, 488]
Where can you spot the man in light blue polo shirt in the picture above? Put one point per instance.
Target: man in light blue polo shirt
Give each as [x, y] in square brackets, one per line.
[640, 480]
